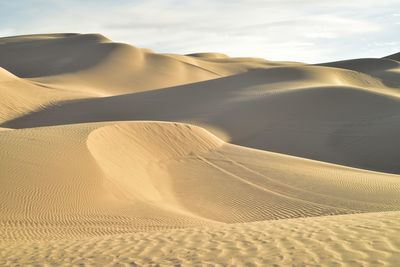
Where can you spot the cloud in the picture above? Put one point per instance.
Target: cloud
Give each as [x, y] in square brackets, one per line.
[6, 32]
[301, 30]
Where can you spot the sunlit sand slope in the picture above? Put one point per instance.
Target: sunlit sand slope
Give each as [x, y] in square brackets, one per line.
[387, 69]
[107, 178]
[349, 240]
[93, 63]
[327, 114]
[18, 97]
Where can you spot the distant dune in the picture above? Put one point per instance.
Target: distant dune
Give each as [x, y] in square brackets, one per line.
[116, 154]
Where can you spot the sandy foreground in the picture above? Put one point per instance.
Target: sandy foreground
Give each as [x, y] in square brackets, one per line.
[112, 155]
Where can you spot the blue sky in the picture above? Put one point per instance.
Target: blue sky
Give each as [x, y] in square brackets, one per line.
[300, 30]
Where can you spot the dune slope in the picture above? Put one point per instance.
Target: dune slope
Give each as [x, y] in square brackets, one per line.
[350, 240]
[20, 97]
[93, 63]
[387, 69]
[116, 155]
[167, 173]
[327, 114]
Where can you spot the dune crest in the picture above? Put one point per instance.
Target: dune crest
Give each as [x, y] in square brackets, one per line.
[321, 113]
[208, 55]
[20, 97]
[92, 63]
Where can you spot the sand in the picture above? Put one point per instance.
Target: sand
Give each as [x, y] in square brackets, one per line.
[112, 154]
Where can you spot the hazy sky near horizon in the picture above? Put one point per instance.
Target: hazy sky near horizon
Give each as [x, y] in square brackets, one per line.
[299, 30]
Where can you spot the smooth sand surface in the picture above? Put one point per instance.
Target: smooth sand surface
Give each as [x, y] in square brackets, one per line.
[112, 154]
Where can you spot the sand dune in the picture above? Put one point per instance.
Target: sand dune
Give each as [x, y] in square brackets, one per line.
[395, 56]
[350, 240]
[112, 154]
[321, 113]
[387, 69]
[93, 63]
[165, 176]
[19, 96]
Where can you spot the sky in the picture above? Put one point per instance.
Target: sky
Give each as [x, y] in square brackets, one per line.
[311, 31]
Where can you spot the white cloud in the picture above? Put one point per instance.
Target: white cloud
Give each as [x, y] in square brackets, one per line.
[6, 32]
[325, 35]
[384, 44]
[301, 30]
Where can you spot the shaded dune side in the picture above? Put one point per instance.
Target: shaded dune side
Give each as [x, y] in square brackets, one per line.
[395, 56]
[327, 114]
[178, 167]
[51, 186]
[108, 178]
[54, 55]
[386, 69]
[207, 55]
[134, 156]
[187, 167]
[229, 66]
[19, 96]
[93, 63]
[236, 184]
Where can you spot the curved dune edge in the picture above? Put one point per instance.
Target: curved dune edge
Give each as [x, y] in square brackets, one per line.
[43, 70]
[123, 177]
[342, 112]
[327, 114]
[208, 55]
[20, 97]
[133, 156]
[386, 69]
[93, 64]
[349, 240]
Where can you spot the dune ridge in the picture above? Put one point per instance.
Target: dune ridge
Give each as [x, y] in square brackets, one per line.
[296, 117]
[190, 170]
[93, 63]
[112, 154]
[20, 97]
